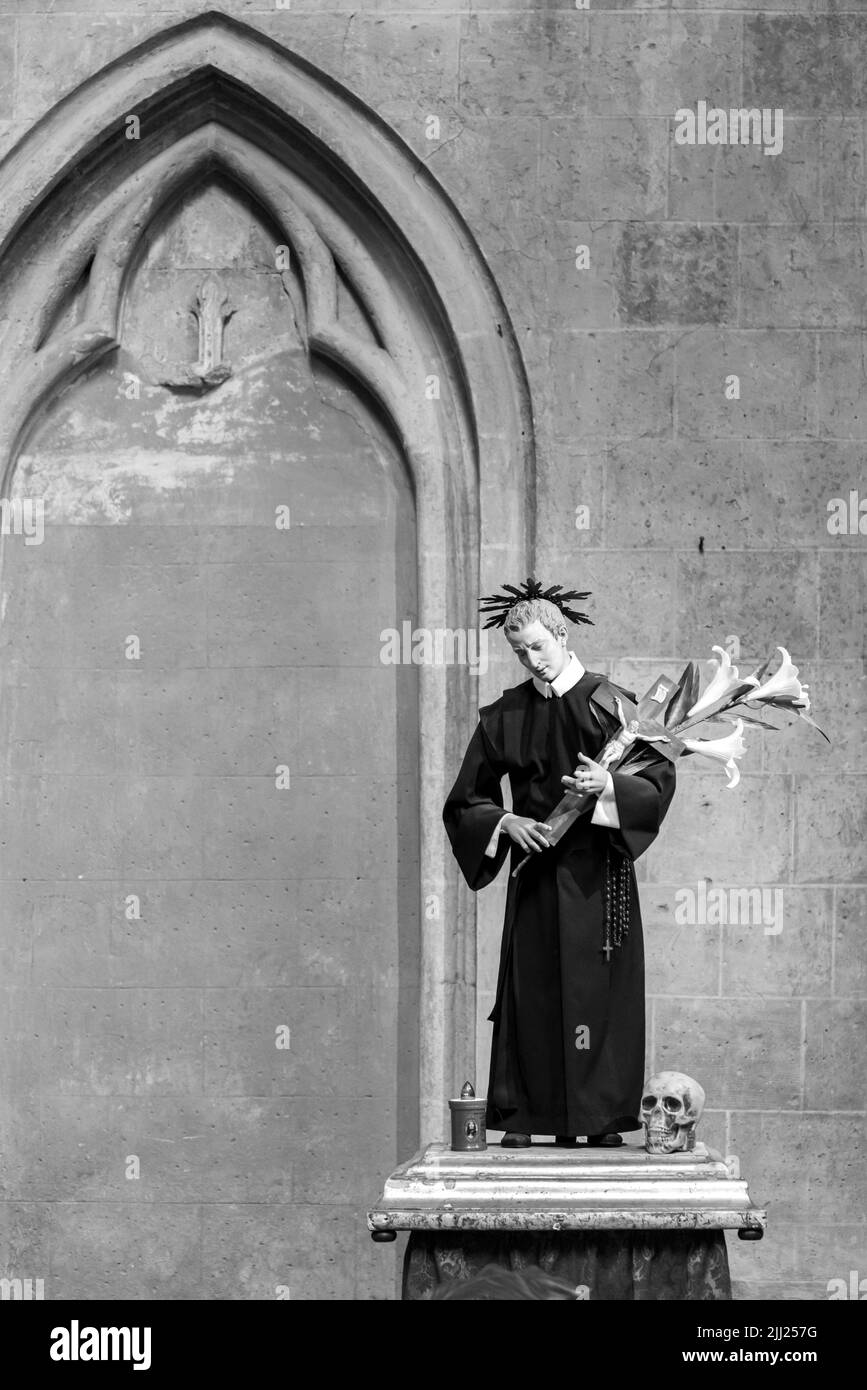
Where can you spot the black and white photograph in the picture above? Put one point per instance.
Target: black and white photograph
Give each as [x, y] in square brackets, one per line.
[433, 614]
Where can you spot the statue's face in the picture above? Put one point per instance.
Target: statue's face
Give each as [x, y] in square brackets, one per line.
[540, 651]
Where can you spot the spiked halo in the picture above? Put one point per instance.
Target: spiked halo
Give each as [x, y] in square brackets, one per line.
[496, 607]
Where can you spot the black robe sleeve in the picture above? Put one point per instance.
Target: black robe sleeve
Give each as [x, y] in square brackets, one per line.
[643, 799]
[473, 809]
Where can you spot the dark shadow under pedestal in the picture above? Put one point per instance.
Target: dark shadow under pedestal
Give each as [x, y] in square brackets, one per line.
[604, 1265]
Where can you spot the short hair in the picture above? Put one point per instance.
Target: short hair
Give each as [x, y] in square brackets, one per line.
[531, 610]
[494, 1283]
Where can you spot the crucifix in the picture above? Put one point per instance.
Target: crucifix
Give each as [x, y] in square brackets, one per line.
[637, 722]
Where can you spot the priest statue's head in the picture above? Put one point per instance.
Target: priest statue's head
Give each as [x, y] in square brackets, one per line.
[534, 624]
[537, 633]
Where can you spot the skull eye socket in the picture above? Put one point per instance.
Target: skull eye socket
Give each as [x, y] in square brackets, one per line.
[671, 1104]
[648, 1102]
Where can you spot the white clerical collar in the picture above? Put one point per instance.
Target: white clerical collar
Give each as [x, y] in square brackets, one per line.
[569, 676]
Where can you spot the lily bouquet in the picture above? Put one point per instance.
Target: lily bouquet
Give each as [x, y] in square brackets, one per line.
[670, 708]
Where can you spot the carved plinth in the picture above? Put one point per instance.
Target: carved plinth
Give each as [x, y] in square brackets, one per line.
[551, 1189]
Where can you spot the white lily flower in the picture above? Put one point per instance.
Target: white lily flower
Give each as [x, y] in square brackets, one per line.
[724, 750]
[783, 684]
[724, 680]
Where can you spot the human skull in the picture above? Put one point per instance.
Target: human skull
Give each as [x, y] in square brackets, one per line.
[671, 1107]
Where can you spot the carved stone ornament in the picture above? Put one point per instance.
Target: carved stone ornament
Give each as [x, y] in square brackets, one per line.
[212, 311]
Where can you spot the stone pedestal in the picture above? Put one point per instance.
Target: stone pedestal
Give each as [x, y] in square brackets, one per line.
[620, 1223]
[545, 1188]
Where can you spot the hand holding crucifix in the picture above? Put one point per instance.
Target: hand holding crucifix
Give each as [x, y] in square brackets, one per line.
[592, 777]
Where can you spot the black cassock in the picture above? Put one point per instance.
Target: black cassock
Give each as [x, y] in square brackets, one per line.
[568, 1047]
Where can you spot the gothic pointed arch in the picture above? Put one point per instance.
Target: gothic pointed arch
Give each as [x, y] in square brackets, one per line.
[428, 340]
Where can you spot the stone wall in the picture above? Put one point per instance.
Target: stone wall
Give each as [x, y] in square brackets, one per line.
[551, 128]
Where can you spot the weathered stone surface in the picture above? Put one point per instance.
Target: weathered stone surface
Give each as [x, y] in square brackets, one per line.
[567, 277]
[158, 827]
[404, 64]
[802, 277]
[572, 511]
[242, 1029]
[256, 1251]
[491, 170]
[529, 61]
[830, 841]
[771, 600]
[692, 179]
[32, 806]
[681, 958]
[609, 575]
[741, 184]
[26, 1241]
[790, 487]
[778, 385]
[842, 603]
[786, 951]
[219, 933]
[62, 722]
[717, 6]
[108, 1250]
[595, 169]
[805, 65]
[764, 1261]
[836, 1038]
[565, 61]
[10, 133]
[850, 967]
[378, 1268]
[610, 386]
[832, 1252]
[841, 411]
[650, 63]
[223, 1149]
[248, 10]
[727, 836]
[247, 826]
[680, 275]
[752, 1055]
[162, 608]
[843, 167]
[822, 1142]
[86, 43]
[804, 1291]
[237, 591]
[669, 494]
[7, 74]
[104, 1042]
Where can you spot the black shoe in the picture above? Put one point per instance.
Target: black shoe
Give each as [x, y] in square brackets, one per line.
[565, 1141]
[516, 1141]
[604, 1141]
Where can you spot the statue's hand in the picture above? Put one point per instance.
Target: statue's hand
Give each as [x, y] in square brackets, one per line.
[526, 832]
[591, 777]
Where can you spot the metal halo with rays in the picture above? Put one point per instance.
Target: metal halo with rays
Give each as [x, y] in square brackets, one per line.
[496, 607]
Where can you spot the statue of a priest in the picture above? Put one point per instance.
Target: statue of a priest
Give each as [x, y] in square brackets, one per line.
[568, 1046]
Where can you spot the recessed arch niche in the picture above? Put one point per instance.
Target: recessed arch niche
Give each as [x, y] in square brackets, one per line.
[388, 296]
